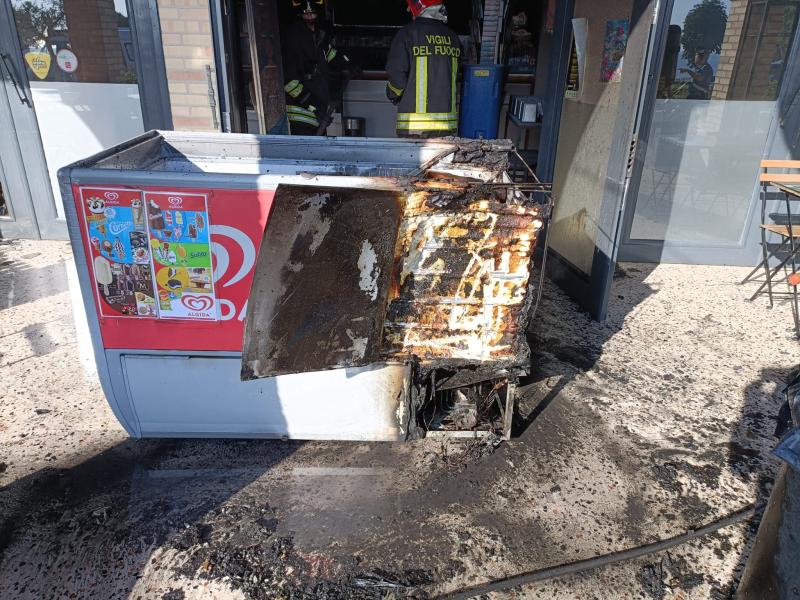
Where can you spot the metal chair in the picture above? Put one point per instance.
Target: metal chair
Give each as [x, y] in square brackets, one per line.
[780, 225]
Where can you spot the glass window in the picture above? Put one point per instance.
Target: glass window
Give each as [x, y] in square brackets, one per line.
[75, 40]
[720, 78]
[83, 81]
[766, 38]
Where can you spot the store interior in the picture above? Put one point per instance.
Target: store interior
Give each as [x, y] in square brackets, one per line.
[363, 30]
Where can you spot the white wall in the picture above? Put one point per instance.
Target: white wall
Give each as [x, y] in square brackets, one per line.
[80, 119]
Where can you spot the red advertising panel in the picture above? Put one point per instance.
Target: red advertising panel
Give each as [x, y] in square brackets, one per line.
[201, 257]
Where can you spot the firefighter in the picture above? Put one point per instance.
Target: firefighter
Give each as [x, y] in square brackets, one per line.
[423, 72]
[312, 68]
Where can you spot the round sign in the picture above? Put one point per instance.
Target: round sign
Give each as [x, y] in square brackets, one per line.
[67, 61]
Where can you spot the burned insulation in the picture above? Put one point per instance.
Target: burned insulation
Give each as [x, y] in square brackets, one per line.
[435, 272]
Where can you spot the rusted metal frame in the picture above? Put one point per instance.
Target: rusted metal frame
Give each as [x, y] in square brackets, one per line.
[429, 164]
[496, 370]
[508, 413]
[545, 251]
[527, 166]
[424, 378]
[505, 403]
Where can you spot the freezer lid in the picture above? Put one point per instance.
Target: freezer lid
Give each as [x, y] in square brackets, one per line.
[322, 281]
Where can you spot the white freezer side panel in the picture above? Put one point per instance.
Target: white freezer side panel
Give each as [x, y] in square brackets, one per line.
[178, 396]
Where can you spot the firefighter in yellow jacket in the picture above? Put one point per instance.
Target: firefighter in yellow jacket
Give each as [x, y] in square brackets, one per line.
[312, 66]
[423, 72]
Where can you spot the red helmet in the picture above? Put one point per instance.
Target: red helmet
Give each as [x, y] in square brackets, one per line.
[415, 7]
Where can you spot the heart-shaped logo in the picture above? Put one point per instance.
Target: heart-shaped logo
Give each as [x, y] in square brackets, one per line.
[175, 201]
[197, 303]
[111, 195]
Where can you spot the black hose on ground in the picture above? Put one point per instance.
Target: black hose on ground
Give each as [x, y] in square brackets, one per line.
[600, 561]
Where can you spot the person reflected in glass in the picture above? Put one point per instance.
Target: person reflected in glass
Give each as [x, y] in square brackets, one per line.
[702, 76]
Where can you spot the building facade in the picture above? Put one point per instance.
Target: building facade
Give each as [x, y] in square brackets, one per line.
[646, 167]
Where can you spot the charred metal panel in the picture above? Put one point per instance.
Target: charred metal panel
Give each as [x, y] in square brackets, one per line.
[461, 282]
[322, 281]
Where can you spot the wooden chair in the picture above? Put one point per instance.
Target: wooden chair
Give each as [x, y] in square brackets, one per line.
[779, 172]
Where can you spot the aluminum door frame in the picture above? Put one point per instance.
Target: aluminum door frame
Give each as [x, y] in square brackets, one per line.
[26, 136]
[21, 219]
[149, 51]
[592, 292]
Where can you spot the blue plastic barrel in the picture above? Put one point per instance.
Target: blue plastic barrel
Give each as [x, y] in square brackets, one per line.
[480, 101]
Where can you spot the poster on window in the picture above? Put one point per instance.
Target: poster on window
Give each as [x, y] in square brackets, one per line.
[120, 255]
[180, 246]
[614, 46]
[577, 59]
[573, 74]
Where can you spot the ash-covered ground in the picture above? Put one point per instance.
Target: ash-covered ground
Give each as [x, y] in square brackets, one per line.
[658, 421]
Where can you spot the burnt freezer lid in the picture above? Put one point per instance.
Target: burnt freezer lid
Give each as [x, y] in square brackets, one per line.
[439, 273]
[218, 159]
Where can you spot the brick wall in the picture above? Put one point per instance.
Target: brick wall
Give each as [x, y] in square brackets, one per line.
[730, 47]
[188, 51]
[94, 38]
[734, 79]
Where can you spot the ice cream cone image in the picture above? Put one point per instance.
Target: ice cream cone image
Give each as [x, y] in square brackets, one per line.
[136, 206]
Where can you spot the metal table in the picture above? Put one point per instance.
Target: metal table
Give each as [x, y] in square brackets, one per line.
[791, 191]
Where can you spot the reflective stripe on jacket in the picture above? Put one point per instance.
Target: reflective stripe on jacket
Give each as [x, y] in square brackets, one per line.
[310, 61]
[298, 114]
[423, 73]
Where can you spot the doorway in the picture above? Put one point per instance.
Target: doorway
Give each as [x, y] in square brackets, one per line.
[29, 209]
[248, 40]
[70, 88]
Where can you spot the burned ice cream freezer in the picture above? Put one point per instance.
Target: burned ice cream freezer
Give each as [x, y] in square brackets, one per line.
[310, 288]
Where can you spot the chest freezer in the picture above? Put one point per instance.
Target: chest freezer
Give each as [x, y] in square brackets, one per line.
[413, 282]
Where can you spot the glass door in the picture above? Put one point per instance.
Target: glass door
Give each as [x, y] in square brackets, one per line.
[713, 118]
[612, 40]
[28, 209]
[17, 219]
[76, 63]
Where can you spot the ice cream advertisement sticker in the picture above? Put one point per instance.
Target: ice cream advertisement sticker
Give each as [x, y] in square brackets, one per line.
[67, 61]
[120, 257]
[180, 246]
